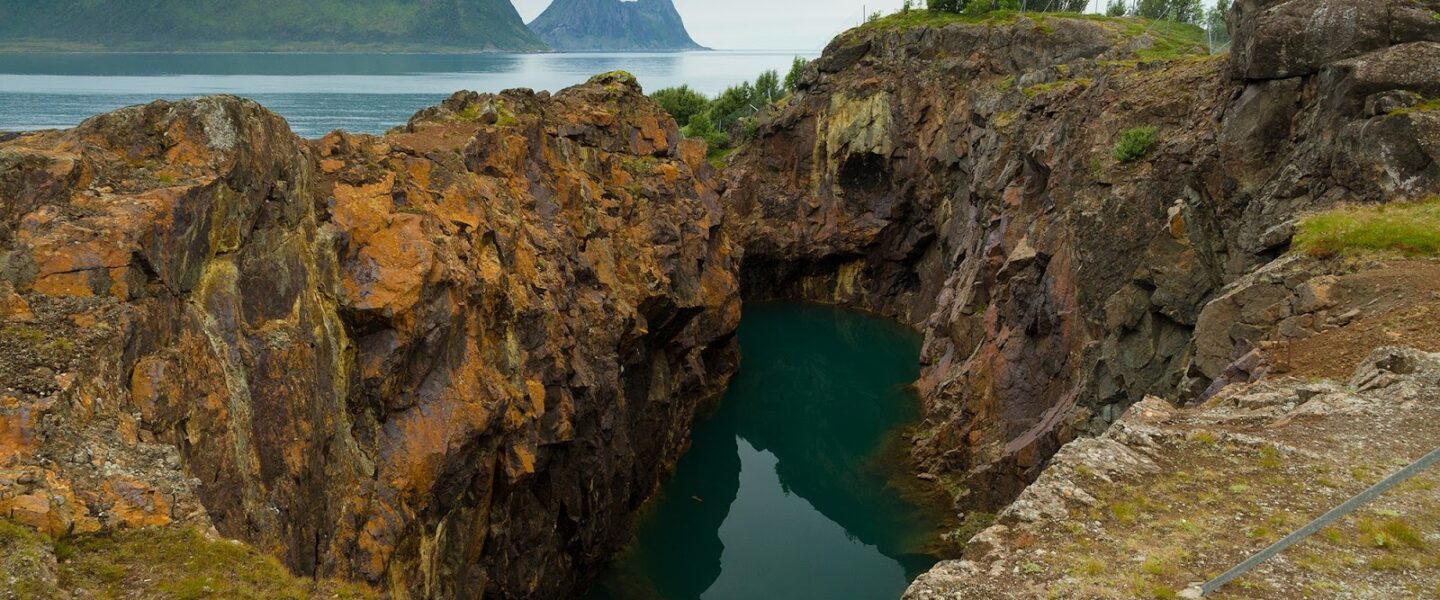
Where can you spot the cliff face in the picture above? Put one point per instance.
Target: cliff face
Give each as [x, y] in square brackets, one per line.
[587, 25]
[1169, 496]
[451, 361]
[264, 25]
[962, 179]
[454, 360]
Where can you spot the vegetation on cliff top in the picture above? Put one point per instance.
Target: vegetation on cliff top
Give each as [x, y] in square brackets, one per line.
[264, 25]
[171, 562]
[727, 120]
[1168, 39]
[1408, 228]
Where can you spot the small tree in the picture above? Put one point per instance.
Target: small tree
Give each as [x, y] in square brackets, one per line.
[1180, 11]
[681, 102]
[948, 6]
[1217, 27]
[701, 126]
[1117, 8]
[797, 70]
[767, 88]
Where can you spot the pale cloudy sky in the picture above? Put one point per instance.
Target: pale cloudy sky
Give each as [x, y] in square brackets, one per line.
[765, 24]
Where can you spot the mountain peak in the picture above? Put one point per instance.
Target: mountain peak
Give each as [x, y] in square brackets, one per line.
[613, 25]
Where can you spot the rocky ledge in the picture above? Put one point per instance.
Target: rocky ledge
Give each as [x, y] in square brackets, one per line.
[450, 361]
[1172, 496]
[963, 177]
[454, 360]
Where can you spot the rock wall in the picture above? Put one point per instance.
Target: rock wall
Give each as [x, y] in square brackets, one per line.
[451, 361]
[961, 178]
[1168, 497]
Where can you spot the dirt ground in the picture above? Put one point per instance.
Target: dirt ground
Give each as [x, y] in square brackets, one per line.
[1400, 306]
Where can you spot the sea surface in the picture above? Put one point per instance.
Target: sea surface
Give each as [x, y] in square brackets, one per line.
[792, 488]
[318, 93]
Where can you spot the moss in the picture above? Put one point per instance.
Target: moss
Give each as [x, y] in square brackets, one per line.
[469, 113]
[1430, 105]
[717, 156]
[973, 523]
[41, 341]
[1410, 229]
[1045, 88]
[1135, 143]
[180, 563]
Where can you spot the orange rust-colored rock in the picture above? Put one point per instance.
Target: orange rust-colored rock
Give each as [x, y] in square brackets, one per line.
[451, 361]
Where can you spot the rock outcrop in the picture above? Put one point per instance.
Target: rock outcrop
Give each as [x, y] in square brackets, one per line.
[1171, 496]
[624, 25]
[451, 361]
[961, 178]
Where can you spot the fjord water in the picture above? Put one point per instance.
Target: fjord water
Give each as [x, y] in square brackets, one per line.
[788, 489]
[318, 93]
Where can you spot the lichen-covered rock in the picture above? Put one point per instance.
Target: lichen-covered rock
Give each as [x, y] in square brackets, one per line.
[1278, 39]
[1168, 496]
[451, 361]
[962, 179]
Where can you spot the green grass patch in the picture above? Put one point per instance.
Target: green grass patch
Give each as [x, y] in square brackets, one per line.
[1430, 105]
[1406, 228]
[1135, 143]
[180, 563]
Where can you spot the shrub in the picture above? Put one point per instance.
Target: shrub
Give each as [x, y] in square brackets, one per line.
[797, 69]
[701, 126]
[681, 102]
[1135, 143]
[1411, 228]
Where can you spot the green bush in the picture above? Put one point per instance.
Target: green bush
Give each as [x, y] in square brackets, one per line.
[983, 7]
[701, 126]
[1409, 228]
[797, 69]
[1135, 143]
[681, 102]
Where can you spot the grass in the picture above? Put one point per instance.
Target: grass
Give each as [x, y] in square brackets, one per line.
[176, 563]
[1135, 143]
[973, 523]
[37, 339]
[1406, 228]
[1045, 88]
[1168, 40]
[1430, 105]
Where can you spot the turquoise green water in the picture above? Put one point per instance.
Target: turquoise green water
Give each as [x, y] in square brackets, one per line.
[786, 491]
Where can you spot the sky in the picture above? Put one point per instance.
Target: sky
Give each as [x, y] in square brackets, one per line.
[765, 24]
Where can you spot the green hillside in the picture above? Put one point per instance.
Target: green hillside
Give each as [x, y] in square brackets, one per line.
[264, 25]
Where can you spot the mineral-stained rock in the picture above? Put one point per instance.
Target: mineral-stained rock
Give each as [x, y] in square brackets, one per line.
[450, 361]
[961, 179]
[1168, 495]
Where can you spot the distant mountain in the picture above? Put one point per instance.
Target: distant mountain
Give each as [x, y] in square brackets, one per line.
[613, 25]
[264, 25]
